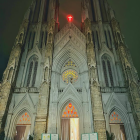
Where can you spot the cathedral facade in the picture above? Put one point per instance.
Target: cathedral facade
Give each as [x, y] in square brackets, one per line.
[70, 81]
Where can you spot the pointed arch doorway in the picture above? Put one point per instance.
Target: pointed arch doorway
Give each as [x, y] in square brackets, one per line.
[23, 127]
[70, 123]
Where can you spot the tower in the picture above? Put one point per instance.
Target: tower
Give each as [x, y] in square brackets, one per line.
[62, 79]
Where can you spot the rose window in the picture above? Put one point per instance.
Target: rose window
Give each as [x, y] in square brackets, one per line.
[70, 76]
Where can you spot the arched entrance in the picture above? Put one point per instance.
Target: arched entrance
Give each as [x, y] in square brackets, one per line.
[70, 123]
[117, 126]
[23, 127]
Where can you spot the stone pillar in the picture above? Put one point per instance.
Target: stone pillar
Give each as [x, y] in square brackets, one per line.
[96, 101]
[43, 103]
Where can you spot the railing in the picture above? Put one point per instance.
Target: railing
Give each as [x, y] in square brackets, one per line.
[102, 89]
[113, 89]
[24, 90]
[78, 90]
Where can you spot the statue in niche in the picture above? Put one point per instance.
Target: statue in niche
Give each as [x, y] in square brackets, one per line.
[53, 4]
[89, 37]
[10, 75]
[119, 37]
[46, 73]
[85, 8]
[125, 56]
[4, 75]
[92, 72]
[50, 38]
[20, 38]
[135, 93]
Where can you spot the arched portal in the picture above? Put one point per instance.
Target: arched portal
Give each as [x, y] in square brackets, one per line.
[117, 126]
[70, 123]
[23, 127]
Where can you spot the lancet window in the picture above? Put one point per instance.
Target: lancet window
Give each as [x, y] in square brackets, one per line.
[110, 37]
[106, 39]
[93, 37]
[41, 39]
[107, 70]
[32, 40]
[98, 40]
[29, 39]
[31, 71]
[117, 126]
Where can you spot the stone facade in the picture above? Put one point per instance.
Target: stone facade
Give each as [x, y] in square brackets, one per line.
[50, 67]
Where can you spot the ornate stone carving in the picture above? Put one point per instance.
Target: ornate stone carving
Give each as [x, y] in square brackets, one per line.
[135, 103]
[46, 73]
[122, 49]
[97, 110]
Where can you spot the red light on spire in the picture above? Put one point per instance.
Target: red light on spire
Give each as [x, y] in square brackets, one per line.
[70, 18]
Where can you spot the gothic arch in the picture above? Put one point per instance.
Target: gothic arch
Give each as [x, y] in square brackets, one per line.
[124, 115]
[31, 71]
[69, 52]
[114, 104]
[78, 105]
[13, 121]
[26, 68]
[109, 69]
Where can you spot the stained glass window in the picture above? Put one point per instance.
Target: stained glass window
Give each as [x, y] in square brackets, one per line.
[24, 119]
[115, 118]
[70, 111]
[70, 63]
[70, 76]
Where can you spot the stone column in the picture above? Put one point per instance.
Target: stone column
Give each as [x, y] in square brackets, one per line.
[43, 103]
[96, 101]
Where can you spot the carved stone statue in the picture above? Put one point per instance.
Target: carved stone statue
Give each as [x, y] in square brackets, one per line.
[92, 72]
[50, 38]
[53, 4]
[46, 75]
[10, 75]
[20, 38]
[89, 38]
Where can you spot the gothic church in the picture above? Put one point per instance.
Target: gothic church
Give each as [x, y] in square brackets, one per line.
[70, 81]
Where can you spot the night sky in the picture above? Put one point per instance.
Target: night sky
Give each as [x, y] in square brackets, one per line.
[12, 13]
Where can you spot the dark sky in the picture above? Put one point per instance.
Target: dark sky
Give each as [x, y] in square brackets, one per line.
[12, 13]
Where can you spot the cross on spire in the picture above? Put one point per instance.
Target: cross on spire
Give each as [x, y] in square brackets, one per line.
[70, 18]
